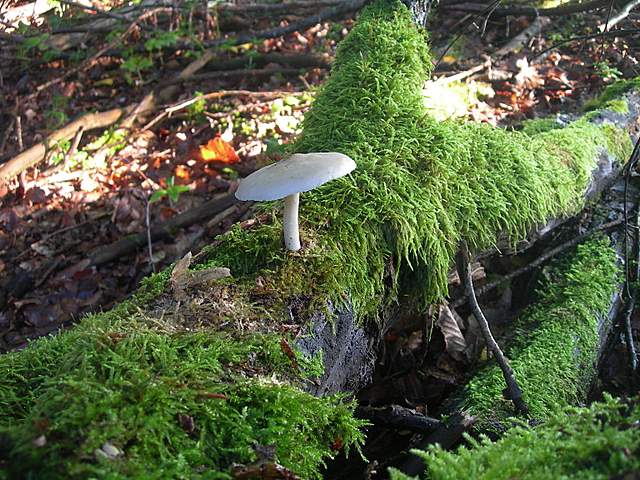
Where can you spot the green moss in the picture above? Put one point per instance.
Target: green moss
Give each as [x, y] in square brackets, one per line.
[390, 229]
[178, 405]
[539, 125]
[595, 443]
[421, 185]
[556, 341]
[610, 96]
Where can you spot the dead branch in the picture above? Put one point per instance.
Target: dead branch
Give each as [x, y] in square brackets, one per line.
[514, 391]
[261, 72]
[35, 154]
[622, 14]
[529, 11]
[514, 45]
[540, 260]
[126, 245]
[324, 15]
[274, 8]
[400, 418]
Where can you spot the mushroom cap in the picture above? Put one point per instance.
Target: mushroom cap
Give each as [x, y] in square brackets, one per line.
[300, 172]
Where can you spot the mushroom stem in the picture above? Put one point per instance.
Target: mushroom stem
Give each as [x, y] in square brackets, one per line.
[291, 233]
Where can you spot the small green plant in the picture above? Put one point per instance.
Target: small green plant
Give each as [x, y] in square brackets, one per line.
[55, 116]
[275, 148]
[606, 71]
[172, 191]
[135, 65]
[196, 110]
[34, 45]
[161, 40]
[39, 42]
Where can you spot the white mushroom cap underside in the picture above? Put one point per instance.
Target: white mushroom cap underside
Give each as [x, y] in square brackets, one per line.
[300, 172]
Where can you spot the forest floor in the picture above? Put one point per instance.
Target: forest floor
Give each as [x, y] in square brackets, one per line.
[105, 184]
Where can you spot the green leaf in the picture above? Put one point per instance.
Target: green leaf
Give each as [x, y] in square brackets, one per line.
[158, 195]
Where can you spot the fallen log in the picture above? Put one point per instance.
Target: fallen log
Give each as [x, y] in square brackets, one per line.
[32, 156]
[191, 381]
[588, 442]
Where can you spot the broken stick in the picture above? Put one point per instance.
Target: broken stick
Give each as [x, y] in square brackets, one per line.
[513, 389]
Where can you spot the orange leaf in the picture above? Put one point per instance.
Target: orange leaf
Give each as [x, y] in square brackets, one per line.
[217, 150]
[182, 172]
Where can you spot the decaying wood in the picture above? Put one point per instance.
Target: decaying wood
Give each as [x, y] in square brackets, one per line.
[203, 212]
[400, 418]
[35, 154]
[513, 389]
[529, 11]
[542, 259]
[357, 372]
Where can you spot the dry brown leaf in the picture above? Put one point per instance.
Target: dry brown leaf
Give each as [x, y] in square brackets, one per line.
[182, 278]
[453, 338]
[180, 275]
[204, 276]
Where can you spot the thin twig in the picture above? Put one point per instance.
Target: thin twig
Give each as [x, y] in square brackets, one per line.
[624, 13]
[74, 146]
[631, 305]
[19, 132]
[198, 77]
[513, 389]
[540, 260]
[205, 11]
[629, 277]
[149, 244]
[614, 33]
[530, 11]
[487, 10]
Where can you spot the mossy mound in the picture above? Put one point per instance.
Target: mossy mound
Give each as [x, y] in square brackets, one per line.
[393, 226]
[595, 443]
[556, 340]
[173, 404]
[178, 403]
[610, 98]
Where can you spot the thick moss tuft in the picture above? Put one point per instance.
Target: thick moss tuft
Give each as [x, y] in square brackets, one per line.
[421, 185]
[610, 98]
[556, 340]
[176, 405]
[595, 443]
[152, 388]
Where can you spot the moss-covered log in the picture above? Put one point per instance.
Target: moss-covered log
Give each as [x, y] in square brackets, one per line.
[556, 341]
[600, 442]
[183, 382]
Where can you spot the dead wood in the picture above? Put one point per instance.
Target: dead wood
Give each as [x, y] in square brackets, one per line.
[358, 370]
[35, 154]
[275, 8]
[258, 72]
[400, 418]
[513, 389]
[124, 246]
[528, 11]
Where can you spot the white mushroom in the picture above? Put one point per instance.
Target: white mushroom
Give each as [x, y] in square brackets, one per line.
[300, 172]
